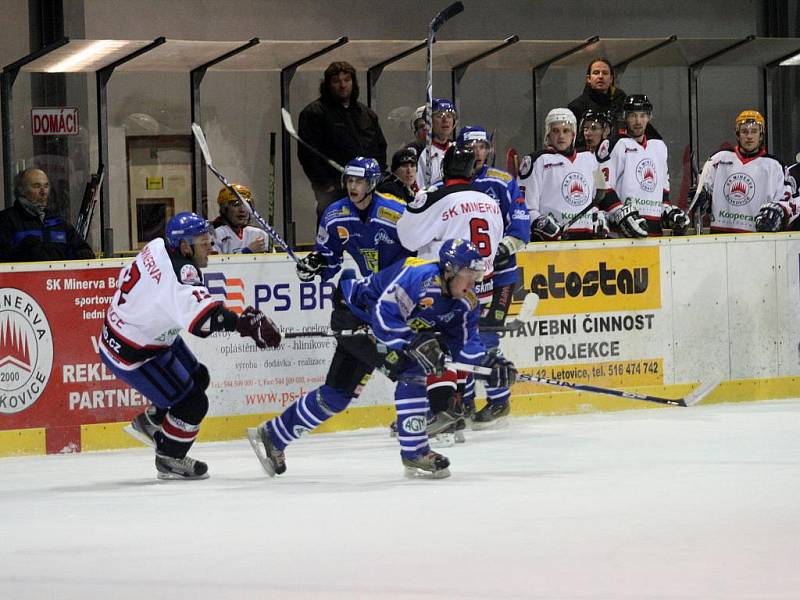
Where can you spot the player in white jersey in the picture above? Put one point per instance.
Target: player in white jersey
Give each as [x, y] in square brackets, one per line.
[596, 126]
[636, 174]
[232, 234]
[746, 187]
[443, 126]
[559, 183]
[158, 294]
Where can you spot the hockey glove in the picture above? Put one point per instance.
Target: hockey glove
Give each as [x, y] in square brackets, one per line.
[627, 220]
[309, 266]
[504, 373]
[254, 324]
[545, 228]
[425, 350]
[507, 247]
[675, 219]
[703, 204]
[770, 217]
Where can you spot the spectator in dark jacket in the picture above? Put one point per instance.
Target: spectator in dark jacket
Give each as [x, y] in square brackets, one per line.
[341, 128]
[30, 232]
[601, 94]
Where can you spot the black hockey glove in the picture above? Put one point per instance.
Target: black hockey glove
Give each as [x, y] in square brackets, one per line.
[703, 204]
[504, 373]
[425, 350]
[627, 220]
[309, 266]
[254, 324]
[390, 361]
[545, 228]
[770, 217]
[675, 219]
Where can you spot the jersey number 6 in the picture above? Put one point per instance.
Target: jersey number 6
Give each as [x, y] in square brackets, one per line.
[479, 235]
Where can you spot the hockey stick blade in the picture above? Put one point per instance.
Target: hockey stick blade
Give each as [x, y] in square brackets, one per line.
[524, 316]
[700, 392]
[289, 126]
[445, 15]
[200, 137]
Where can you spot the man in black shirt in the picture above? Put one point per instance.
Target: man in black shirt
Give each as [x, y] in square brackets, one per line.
[341, 128]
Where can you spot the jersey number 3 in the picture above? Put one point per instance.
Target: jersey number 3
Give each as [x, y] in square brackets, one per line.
[479, 235]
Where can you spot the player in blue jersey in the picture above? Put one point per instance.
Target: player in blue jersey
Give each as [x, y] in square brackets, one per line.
[364, 224]
[418, 312]
[502, 186]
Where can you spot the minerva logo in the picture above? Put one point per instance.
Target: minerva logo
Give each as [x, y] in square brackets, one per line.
[646, 174]
[26, 350]
[739, 189]
[575, 189]
[231, 290]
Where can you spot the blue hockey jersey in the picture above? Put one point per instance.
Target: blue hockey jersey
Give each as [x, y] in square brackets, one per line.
[406, 298]
[372, 242]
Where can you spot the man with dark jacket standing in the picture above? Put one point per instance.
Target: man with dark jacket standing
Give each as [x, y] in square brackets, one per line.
[340, 127]
[30, 232]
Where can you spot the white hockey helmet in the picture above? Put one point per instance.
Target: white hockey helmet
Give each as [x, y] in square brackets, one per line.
[419, 113]
[559, 115]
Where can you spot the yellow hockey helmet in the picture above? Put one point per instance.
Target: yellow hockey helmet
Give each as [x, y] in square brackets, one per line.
[226, 196]
[749, 116]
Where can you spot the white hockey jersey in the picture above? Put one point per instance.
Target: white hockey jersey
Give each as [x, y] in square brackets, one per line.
[740, 185]
[636, 174]
[228, 241]
[450, 212]
[437, 156]
[157, 296]
[560, 186]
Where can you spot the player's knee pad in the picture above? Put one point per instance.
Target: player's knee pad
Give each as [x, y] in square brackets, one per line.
[347, 372]
[441, 389]
[191, 409]
[201, 377]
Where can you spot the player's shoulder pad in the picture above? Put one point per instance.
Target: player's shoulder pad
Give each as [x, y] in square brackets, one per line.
[603, 152]
[526, 165]
[389, 208]
[185, 270]
[499, 174]
[425, 199]
[391, 198]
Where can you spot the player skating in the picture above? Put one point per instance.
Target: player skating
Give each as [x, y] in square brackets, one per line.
[158, 294]
[419, 312]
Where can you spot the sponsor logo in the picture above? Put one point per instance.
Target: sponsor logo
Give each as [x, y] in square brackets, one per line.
[419, 200]
[593, 280]
[416, 424]
[575, 189]
[381, 237]
[370, 258]
[739, 189]
[26, 351]
[425, 303]
[343, 233]
[228, 289]
[646, 174]
[322, 235]
[299, 431]
[603, 150]
[420, 324]
[525, 167]
[388, 214]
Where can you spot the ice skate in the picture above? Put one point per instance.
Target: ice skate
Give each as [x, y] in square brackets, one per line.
[143, 429]
[180, 468]
[492, 416]
[430, 465]
[272, 459]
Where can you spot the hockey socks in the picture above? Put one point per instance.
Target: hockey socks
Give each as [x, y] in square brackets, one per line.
[306, 414]
[412, 421]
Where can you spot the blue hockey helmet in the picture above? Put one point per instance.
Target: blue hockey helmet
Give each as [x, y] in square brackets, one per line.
[473, 133]
[185, 226]
[365, 168]
[443, 105]
[458, 254]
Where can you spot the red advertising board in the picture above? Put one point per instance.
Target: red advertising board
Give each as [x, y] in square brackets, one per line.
[50, 373]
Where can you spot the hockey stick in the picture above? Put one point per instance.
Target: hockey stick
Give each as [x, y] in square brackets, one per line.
[201, 141]
[701, 187]
[524, 316]
[289, 126]
[271, 182]
[698, 394]
[435, 25]
[599, 194]
[90, 197]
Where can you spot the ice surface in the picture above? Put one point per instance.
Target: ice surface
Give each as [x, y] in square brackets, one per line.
[698, 503]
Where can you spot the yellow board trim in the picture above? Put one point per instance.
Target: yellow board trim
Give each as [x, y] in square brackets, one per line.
[108, 436]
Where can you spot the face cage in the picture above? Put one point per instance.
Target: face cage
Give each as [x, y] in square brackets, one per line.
[750, 122]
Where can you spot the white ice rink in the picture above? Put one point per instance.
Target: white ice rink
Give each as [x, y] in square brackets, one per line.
[700, 503]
